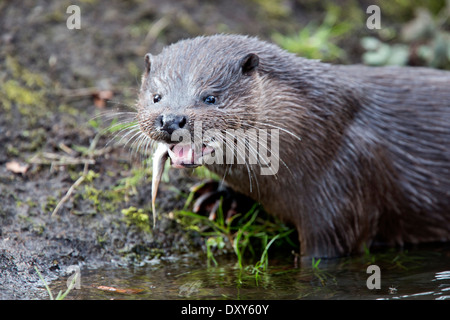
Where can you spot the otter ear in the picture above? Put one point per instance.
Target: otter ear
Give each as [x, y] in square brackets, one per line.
[249, 63]
[148, 62]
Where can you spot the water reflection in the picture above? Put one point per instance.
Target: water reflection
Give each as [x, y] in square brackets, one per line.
[414, 274]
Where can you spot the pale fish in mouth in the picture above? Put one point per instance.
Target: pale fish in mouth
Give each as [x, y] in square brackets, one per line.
[181, 156]
[159, 159]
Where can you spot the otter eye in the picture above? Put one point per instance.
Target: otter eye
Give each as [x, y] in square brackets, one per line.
[210, 100]
[156, 98]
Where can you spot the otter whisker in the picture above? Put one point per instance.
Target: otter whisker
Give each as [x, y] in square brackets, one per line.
[114, 114]
[130, 129]
[122, 104]
[280, 128]
[228, 168]
[121, 126]
[149, 145]
[231, 146]
[277, 157]
[125, 120]
[135, 146]
[272, 124]
[267, 150]
[132, 137]
[145, 155]
[250, 170]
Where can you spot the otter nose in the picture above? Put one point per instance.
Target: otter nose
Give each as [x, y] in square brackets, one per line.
[171, 122]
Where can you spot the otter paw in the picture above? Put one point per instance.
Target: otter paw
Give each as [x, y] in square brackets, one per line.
[211, 195]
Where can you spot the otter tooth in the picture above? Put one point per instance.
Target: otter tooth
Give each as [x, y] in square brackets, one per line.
[191, 155]
[171, 153]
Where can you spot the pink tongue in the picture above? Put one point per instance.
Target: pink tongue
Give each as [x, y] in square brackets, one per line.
[181, 156]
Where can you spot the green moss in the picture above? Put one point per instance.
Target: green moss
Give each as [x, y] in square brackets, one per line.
[275, 9]
[140, 29]
[106, 200]
[35, 138]
[24, 90]
[31, 204]
[404, 10]
[38, 228]
[31, 79]
[15, 93]
[137, 217]
[318, 41]
[202, 173]
[91, 2]
[92, 194]
[67, 109]
[133, 69]
[12, 151]
[49, 204]
[91, 175]
[28, 202]
[133, 180]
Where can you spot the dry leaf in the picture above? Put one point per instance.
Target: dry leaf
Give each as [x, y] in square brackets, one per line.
[119, 290]
[100, 98]
[16, 167]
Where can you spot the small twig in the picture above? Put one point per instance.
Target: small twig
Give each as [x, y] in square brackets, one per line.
[80, 92]
[71, 189]
[66, 149]
[56, 159]
[152, 35]
[80, 179]
[86, 92]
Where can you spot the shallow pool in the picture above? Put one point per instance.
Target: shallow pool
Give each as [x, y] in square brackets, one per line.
[419, 273]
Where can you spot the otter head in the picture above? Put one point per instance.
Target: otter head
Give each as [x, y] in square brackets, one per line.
[206, 84]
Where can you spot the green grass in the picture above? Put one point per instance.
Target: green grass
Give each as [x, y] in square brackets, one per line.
[392, 258]
[318, 41]
[248, 235]
[315, 263]
[61, 295]
[262, 265]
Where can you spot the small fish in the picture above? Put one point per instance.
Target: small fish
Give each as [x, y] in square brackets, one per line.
[159, 159]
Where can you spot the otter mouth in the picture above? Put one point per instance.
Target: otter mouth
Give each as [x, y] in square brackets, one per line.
[181, 156]
[187, 155]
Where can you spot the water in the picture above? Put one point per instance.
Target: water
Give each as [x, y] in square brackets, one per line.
[410, 274]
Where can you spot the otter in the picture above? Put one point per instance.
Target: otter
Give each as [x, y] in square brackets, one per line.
[364, 152]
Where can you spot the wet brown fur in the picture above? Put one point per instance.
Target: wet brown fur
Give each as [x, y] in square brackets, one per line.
[373, 163]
